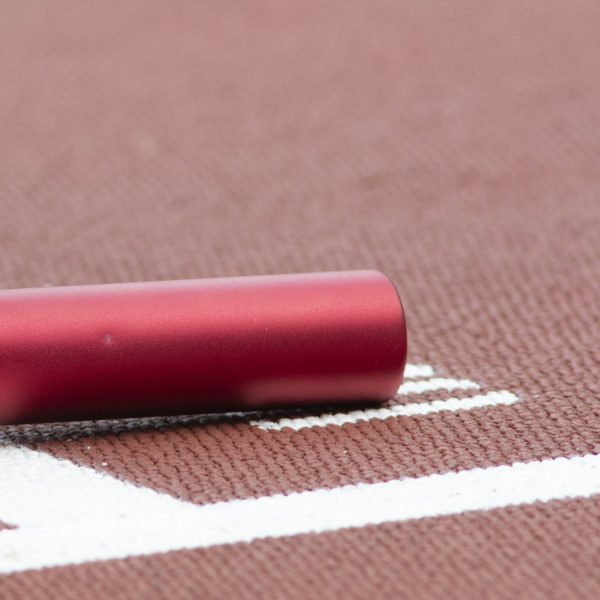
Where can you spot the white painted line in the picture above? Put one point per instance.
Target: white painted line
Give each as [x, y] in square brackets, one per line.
[406, 410]
[414, 371]
[432, 385]
[67, 514]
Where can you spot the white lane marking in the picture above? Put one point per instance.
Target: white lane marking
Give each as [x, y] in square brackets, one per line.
[413, 371]
[406, 410]
[437, 383]
[68, 514]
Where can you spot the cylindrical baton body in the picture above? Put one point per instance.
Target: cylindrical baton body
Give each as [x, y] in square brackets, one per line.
[241, 343]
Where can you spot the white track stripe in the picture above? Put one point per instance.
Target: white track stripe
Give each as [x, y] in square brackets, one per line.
[437, 383]
[413, 371]
[67, 514]
[406, 410]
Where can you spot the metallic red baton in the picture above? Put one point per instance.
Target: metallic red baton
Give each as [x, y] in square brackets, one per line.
[242, 343]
